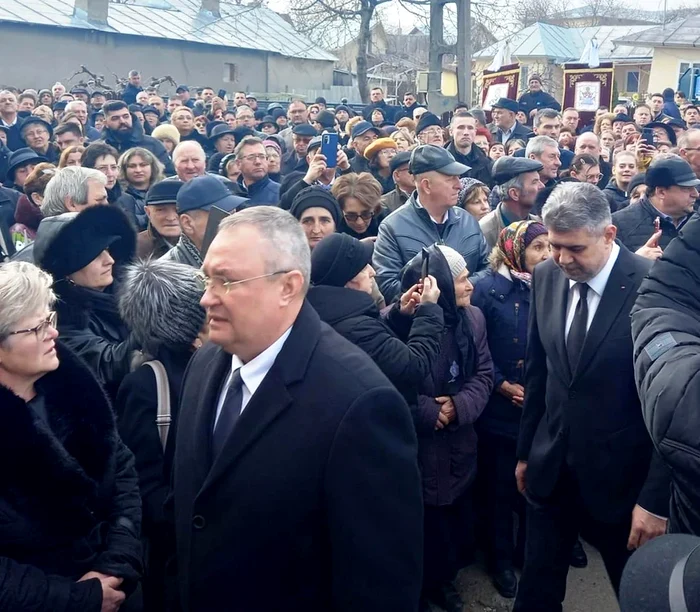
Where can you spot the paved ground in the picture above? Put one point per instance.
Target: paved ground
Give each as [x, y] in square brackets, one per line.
[588, 590]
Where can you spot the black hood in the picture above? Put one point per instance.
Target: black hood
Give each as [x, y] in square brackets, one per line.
[117, 140]
[335, 304]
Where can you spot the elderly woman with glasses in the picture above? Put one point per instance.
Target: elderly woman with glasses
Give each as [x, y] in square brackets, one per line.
[359, 196]
[70, 507]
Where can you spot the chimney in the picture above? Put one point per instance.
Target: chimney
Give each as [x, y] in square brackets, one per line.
[212, 6]
[95, 11]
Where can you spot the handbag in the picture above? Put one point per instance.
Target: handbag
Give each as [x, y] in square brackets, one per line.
[163, 418]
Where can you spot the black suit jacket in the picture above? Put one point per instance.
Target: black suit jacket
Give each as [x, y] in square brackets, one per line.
[590, 418]
[314, 504]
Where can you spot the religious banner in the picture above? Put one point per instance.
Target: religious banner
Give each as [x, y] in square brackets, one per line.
[499, 84]
[587, 89]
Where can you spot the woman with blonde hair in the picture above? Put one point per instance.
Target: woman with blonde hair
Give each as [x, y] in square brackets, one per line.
[139, 170]
[71, 156]
[359, 196]
[403, 139]
[603, 123]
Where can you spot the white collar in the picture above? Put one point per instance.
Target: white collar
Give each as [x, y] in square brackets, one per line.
[254, 372]
[444, 219]
[9, 124]
[598, 282]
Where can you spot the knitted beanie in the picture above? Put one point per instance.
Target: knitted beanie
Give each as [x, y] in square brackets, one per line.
[166, 130]
[454, 260]
[534, 230]
[159, 303]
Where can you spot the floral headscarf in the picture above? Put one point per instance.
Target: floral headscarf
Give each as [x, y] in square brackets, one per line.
[512, 243]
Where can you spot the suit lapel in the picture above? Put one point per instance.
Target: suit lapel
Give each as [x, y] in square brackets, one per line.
[216, 371]
[617, 290]
[271, 398]
[560, 302]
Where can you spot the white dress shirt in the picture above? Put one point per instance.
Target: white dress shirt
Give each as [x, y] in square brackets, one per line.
[252, 373]
[506, 134]
[596, 286]
[444, 219]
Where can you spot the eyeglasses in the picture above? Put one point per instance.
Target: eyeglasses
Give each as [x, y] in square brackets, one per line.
[255, 157]
[41, 330]
[352, 217]
[215, 283]
[594, 177]
[432, 132]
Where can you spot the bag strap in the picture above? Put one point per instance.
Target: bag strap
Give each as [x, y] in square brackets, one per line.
[163, 418]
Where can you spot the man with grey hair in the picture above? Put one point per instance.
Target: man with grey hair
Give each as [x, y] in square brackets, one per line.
[71, 189]
[518, 183]
[325, 462]
[189, 160]
[254, 181]
[585, 459]
[546, 151]
[81, 112]
[548, 122]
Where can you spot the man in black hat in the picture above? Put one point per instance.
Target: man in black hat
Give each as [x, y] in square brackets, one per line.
[363, 134]
[123, 133]
[518, 183]
[163, 229]
[194, 200]
[429, 130]
[463, 130]
[429, 216]
[295, 158]
[505, 126]
[20, 165]
[317, 173]
[536, 98]
[671, 193]
[183, 92]
[403, 179]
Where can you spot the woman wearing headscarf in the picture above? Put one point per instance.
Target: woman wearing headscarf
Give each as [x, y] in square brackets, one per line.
[342, 279]
[503, 295]
[70, 512]
[159, 302]
[85, 253]
[454, 394]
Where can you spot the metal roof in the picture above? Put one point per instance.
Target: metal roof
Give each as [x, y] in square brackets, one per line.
[566, 44]
[242, 27]
[590, 11]
[679, 33]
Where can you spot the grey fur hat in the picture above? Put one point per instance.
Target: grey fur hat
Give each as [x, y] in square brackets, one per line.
[159, 303]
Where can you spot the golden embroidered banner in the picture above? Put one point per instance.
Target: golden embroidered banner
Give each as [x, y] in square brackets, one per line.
[499, 84]
[587, 89]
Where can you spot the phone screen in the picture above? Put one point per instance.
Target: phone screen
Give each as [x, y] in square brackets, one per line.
[329, 148]
[425, 266]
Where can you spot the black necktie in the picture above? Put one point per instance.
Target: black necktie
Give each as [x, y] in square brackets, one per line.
[577, 332]
[230, 411]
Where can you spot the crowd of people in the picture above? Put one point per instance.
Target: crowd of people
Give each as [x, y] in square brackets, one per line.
[256, 356]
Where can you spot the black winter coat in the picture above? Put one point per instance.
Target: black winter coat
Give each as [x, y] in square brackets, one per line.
[635, 225]
[616, 197]
[90, 325]
[505, 304]
[319, 480]
[354, 315]
[70, 502]
[137, 138]
[535, 100]
[479, 163]
[666, 332]
[132, 202]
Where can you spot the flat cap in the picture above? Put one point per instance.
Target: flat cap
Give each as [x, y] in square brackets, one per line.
[670, 171]
[506, 168]
[304, 129]
[402, 158]
[507, 104]
[429, 158]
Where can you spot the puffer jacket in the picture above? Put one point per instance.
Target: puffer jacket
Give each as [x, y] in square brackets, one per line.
[635, 225]
[666, 332]
[264, 192]
[354, 315]
[408, 229]
[505, 303]
[132, 202]
[616, 197]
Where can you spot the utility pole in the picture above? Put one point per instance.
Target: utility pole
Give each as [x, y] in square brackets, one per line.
[464, 51]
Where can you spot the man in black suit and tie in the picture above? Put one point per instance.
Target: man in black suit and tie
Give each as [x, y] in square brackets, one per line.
[296, 483]
[585, 458]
